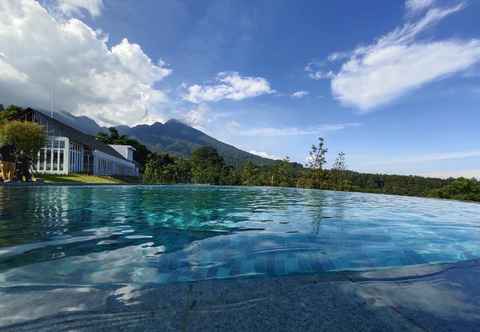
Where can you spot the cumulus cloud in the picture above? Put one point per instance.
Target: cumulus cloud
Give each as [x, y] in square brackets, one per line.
[400, 62]
[299, 94]
[198, 117]
[294, 131]
[75, 7]
[44, 56]
[229, 85]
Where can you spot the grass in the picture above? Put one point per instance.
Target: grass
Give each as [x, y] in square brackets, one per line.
[87, 179]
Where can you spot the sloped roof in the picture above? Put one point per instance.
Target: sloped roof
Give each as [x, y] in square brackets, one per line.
[78, 136]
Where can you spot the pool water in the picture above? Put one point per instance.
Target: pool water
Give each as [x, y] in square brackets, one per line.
[91, 235]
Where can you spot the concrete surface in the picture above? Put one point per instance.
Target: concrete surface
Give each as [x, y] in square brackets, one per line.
[422, 298]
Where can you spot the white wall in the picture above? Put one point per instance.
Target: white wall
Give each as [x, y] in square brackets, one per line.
[125, 150]
[105, 164]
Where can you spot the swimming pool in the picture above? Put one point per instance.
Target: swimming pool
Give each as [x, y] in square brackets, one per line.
[92, 235]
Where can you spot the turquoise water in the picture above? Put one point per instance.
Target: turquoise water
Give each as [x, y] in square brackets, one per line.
[161, 234]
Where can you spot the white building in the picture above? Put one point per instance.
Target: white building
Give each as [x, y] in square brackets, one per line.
[69, 150]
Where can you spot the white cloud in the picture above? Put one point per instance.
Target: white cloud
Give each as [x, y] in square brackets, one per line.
[229, 85]
[264, 155]
[10, 73]
[338, 56]
[317, 72]
[388, 73]
[198, 117]
[42, 54]
[294, 131]
[299, 94]
[415, 6]
[74, 7]
[433, 157]
[398, 62]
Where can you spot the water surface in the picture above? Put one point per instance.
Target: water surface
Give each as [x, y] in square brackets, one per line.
[94, 235]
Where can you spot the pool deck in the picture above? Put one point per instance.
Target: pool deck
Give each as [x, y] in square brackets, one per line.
[442, 297]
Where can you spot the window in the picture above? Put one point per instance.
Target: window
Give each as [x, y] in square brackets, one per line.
[60, 159]
[48, 158]
[55, 160]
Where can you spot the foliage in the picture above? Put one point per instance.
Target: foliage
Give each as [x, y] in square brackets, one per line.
[8, 113]
[339, 163]
[317, 156]
[461, 188]
[165, 169]
[24, 140]
[207, 166]
[283, 174]
[27, 137]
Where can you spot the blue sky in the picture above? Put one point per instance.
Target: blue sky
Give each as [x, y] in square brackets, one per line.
[393, 84]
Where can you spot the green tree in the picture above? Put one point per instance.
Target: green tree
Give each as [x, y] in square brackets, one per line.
[249, 174]
[338, 173]
[339, 164]
[158, 169]
[283, 173]
[461, 188]
[317, 159]
[27, 138]
[8, 113]
[207, 166]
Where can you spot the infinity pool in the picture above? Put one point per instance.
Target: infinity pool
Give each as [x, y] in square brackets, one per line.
[82, 235]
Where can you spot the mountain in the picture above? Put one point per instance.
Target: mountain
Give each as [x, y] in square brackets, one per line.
[82, 123]
[173, 137]
[179, 139]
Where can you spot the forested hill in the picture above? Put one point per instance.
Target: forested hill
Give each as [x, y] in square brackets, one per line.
[179, 139]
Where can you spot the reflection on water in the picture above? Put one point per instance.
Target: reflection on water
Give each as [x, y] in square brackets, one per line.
[164, 234]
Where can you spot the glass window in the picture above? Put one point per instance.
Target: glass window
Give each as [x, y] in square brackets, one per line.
[60, 160]
[48, 156]
[41, 159]
[55, 160]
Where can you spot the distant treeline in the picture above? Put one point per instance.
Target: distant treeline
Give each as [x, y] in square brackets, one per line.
[206, 166]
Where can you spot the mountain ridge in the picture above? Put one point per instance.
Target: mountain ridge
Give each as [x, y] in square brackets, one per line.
[180, 139]
[174, 137]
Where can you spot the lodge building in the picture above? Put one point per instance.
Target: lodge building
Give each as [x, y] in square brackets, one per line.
[69, 150]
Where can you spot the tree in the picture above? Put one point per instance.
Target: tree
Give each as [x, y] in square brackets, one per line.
[165, 169]
[317, 156]
[9, 112]
[249, 174]
[316, 160]
[338, 171]
[339, 164]
[27, 138]
[283, 173]
[157, 169]
[461, 188]
[207, 166]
